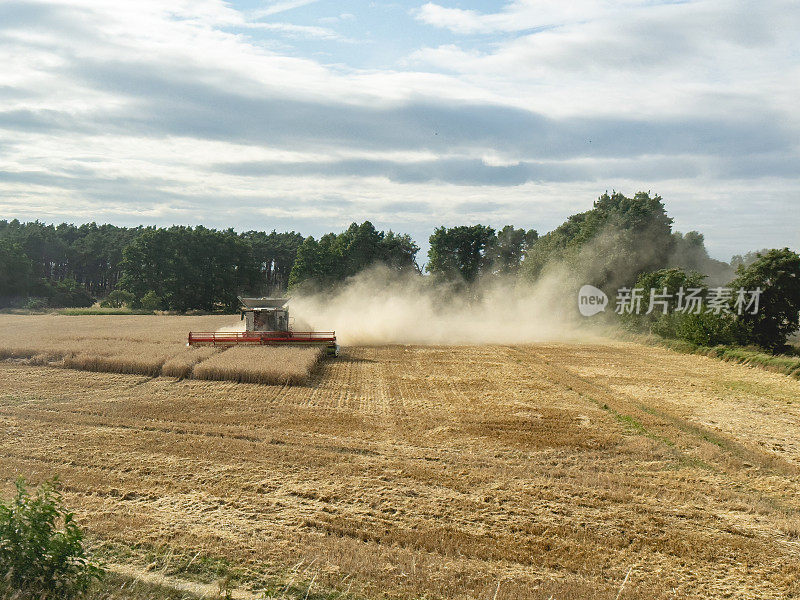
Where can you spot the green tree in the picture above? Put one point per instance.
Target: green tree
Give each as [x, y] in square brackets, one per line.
[91, 255]
[689, 253]
[319, 263]
[460, 251]
[308, 263]
[335, 257]
[509, 247]
[41, 548]
[777, 274]
[16, 270]
[190, 268]
[398, 251]
[748, 258]
[609, 245]
[359, 246]
[274, 254]
[707, 329]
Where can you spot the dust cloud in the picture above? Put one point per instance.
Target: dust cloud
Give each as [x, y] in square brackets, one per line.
[380, 306]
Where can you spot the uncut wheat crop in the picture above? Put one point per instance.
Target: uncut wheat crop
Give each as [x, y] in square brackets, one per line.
[270, 364]
[182, 364]
[144, 345]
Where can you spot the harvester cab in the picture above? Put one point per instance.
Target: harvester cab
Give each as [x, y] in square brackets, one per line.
[265, 314]
[267, 323]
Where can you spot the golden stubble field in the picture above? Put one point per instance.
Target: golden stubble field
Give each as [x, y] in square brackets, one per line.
[538, 471]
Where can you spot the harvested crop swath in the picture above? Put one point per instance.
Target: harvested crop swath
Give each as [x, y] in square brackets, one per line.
[128, 362]
[119, 356]
[263, 364]
[182, 364]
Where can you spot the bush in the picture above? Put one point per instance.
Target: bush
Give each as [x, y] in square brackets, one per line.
[703, 329]
[707, 329]
[777, 274]
[36, 303]
[150, 301]
[41, 548]
[68, 294]
[671, 280]
[118, 299]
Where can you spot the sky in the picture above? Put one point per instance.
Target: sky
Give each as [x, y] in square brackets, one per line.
[308, 115]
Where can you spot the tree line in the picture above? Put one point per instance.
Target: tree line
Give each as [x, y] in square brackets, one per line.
[182, 268]
[619, 241]
[196, 268]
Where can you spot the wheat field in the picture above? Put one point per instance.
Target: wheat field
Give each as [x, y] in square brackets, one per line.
[251, 365]
[604, 470]
[147, 345]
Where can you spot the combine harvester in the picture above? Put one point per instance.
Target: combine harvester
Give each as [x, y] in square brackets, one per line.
[266, 324]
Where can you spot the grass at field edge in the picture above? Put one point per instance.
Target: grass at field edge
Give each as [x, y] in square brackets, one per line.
[163, 572]
[786, 364]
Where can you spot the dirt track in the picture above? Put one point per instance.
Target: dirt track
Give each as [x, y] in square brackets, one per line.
[551, 469]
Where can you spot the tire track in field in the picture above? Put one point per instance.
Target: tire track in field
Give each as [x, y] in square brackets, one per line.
[688, 439]
[404, 426]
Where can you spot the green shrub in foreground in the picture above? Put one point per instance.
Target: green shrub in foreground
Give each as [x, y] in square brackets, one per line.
[41, 548]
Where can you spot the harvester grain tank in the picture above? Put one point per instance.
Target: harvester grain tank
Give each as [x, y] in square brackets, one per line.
[267, 323]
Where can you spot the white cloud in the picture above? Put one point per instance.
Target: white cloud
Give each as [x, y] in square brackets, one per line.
[298, 30]
[156, 111]
[279, 7]
[518, 16]
[651, 60]
[338, 19]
